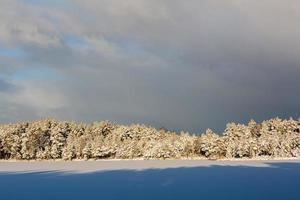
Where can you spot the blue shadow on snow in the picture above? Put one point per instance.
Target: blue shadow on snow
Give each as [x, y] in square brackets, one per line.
[279, 181]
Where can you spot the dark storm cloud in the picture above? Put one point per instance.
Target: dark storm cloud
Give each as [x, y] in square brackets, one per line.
[178, 64]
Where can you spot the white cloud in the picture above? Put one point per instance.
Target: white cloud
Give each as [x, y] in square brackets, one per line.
[41, 98]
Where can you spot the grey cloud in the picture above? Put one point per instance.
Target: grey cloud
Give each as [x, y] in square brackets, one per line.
[183, 65]
[6, 86]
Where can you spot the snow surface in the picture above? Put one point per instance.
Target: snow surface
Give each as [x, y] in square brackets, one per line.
[110, 165]
[150, 179]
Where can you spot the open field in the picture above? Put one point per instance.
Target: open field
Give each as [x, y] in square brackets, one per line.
[111, 165]
[150, 179]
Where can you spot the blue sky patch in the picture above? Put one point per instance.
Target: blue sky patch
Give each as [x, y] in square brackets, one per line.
[12, 52]
[53, 3]
[75, 42]
[36, 74]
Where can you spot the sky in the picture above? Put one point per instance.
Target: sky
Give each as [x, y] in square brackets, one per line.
[182, 65]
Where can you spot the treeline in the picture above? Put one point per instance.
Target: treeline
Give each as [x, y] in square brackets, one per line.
[51, 139]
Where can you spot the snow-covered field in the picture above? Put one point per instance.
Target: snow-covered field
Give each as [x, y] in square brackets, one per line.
[111, 165]
[150, 179]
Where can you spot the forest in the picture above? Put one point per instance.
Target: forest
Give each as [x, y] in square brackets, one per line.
[52, 139]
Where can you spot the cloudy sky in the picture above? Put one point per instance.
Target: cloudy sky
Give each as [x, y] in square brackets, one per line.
[188, 65]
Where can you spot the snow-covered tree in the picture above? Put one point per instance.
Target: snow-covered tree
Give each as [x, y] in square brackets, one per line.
[51, 139]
